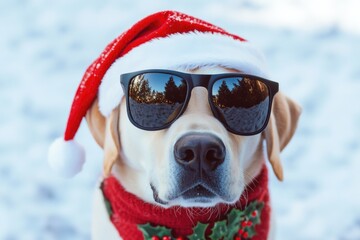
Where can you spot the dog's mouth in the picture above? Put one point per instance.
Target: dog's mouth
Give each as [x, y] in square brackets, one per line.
[197, 194]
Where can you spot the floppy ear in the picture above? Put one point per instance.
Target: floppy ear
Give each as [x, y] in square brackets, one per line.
[106, 134]
[112, 144]
[281, 127]
[96, 122]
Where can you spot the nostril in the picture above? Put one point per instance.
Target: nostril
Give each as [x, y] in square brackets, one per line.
[211, 155]
[184, 154]
[214, 158]
[188, 155]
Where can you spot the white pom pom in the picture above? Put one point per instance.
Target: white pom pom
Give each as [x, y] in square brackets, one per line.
[66, 157]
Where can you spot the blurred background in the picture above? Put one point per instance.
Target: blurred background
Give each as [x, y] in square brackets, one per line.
[312, 49]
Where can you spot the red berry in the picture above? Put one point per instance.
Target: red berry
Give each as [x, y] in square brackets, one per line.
[244, 224]
[166, 238]
[254, 213]
[180, 238]
[237, 238]
[245, 235]
[248, 223]
[155, 238]
[241, 231]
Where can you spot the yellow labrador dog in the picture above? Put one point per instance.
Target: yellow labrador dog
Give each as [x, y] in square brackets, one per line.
[135, 156]
[184, 152]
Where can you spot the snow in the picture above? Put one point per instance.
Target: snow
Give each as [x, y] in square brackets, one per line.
[313, 51]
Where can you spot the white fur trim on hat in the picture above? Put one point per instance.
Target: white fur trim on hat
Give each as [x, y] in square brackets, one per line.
[180, 51]
[66, 157]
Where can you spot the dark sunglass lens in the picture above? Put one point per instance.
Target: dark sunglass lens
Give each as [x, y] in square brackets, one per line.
[155, 99]
[242, 103]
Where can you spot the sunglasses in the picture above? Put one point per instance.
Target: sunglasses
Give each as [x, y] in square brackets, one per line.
[157, 98]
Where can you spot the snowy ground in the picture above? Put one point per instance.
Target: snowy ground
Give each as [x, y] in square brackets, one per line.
[313, 50]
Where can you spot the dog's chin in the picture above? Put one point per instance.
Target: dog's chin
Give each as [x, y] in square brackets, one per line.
[197, 196]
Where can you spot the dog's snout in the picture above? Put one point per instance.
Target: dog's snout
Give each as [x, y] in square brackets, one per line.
[199, 152]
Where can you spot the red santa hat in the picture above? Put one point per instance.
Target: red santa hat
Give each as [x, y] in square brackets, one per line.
[164, 40]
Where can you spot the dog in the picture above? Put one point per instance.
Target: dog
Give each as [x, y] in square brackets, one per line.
[117, 136]
[187, 162]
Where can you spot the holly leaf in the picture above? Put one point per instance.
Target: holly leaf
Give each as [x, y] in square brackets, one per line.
[250, 208]
[219, 230]
[251, 231]
[256, 219]
[198, 232]
[234, 218]
[149, 231]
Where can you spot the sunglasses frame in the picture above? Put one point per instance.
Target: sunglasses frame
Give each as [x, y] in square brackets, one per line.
[198, 80]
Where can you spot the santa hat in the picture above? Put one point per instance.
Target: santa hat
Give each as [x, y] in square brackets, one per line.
[165, 40]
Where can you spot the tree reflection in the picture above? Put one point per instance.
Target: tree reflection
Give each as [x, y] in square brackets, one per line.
[142, 91]
[174, 93]
[243, 93]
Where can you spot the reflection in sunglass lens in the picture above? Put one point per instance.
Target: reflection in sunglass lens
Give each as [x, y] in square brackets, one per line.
[155, 99]
[242, 103]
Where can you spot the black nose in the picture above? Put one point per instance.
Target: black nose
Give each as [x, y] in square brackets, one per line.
[199, 151]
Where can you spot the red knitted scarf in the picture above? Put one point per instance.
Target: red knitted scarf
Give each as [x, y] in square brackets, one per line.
[135, 219]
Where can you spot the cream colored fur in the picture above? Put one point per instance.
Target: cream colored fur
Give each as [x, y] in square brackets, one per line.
[136, 157]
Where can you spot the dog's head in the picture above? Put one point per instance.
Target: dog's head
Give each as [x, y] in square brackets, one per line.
[196, 161]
